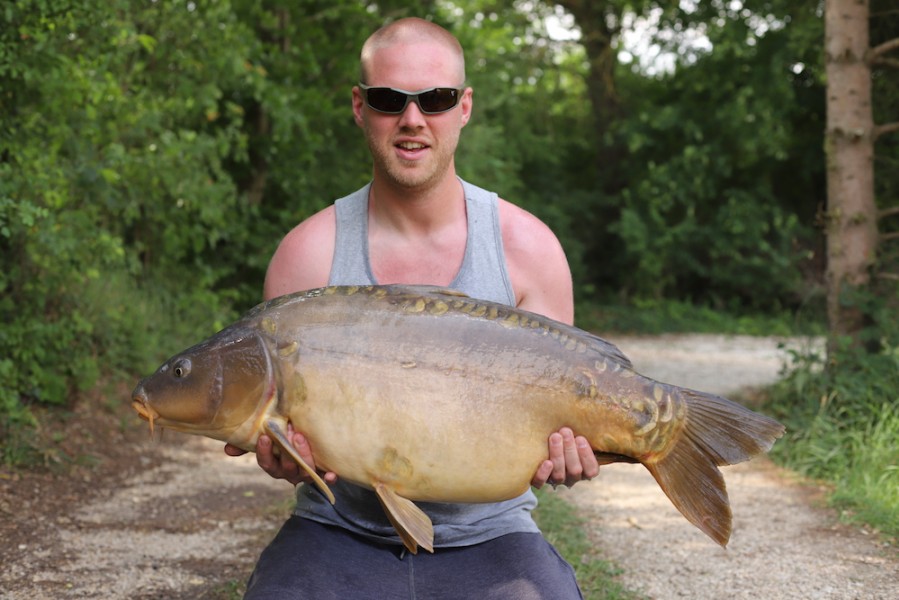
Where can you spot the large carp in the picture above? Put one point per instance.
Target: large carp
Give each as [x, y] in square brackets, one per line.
[421, 393]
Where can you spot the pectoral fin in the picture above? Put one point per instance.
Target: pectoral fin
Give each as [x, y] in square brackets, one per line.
[410, 522]
[276, 431]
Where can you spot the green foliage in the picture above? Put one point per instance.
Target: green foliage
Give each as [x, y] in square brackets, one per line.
[842, 415]
[111, 174]
[725, 168]
[564, 529]
[152, 155]
[842, 423]
[650, 317]
[120, 336]
[526, 139]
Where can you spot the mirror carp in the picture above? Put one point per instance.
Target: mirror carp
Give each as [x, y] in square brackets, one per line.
[424, 394]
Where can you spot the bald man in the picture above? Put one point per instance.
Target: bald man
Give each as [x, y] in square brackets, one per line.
[417, 222]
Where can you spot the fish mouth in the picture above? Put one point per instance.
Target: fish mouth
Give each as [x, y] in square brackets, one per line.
[144, 411]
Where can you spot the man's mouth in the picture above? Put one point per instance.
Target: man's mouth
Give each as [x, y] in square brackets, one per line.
[411, 146]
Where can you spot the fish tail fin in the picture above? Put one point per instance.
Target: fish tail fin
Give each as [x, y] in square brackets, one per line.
[716, 432]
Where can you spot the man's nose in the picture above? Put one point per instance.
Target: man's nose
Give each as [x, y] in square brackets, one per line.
[412, 116]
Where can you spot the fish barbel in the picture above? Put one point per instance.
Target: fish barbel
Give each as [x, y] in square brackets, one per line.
[422, 393]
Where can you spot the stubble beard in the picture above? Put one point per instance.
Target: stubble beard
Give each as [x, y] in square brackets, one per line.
[412, 175]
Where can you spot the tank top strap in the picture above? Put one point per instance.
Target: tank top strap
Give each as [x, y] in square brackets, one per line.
[351, 265]
[484, 273]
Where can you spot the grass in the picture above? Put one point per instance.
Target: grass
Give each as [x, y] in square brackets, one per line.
[654, 317]
[229, 590]
[843, 429]
[868, 491]
[565, 529]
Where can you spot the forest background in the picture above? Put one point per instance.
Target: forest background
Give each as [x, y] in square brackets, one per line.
[153, 153]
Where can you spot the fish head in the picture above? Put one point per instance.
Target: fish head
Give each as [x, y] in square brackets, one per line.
[210, 389]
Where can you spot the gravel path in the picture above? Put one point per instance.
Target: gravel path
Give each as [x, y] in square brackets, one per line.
[179, 520]
[166, 520]
[784, 545]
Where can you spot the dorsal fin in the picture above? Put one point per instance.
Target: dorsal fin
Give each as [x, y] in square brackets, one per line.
[608, 350]
[431, 290]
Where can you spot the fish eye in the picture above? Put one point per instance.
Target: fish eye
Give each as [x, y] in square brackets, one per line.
[181, 368]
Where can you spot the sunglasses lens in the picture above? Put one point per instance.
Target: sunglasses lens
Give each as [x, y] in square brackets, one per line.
[438, 100]
[386, 100]
[389, 100]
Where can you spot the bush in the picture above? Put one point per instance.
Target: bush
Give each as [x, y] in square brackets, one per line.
[113, 330]
[112, 145]
[842, 426]
[673, 316]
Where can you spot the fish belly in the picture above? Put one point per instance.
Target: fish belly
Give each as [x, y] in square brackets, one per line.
[440, 438]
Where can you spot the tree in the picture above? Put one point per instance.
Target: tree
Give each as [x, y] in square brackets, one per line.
[710, 172]
[600, 24]
[852, 213]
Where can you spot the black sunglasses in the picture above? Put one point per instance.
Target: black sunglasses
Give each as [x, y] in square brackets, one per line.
[392, 101]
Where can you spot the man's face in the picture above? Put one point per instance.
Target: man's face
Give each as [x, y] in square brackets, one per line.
[413, 150]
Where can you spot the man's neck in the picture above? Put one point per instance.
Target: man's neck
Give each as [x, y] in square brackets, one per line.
[417, 236]
[409, 211]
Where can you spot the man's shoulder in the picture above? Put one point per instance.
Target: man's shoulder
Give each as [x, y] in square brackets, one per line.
[303, 258]
[521, 226]
[313, 230]
[537, 264]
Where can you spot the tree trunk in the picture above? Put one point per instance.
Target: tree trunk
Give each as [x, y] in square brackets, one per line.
[851, 210]
[593, 17]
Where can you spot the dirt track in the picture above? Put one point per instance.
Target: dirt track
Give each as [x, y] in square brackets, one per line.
[178, 519]
[784, 545]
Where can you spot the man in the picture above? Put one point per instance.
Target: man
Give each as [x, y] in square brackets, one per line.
[418, 223]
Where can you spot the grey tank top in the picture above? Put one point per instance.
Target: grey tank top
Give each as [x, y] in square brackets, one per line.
[483, 275]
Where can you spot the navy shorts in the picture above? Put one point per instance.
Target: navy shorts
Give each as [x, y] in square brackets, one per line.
[310, 560]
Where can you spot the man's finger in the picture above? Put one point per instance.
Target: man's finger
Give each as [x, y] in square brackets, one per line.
[557, 456]
[301, 445]
[573, 468]
[232, 450]
[543, 472]
[264, 453]
[588, 459]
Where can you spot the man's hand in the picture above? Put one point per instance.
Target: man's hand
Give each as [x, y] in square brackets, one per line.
[570, 460]
[283, 466]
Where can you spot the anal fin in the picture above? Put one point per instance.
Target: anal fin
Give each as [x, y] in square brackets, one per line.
[411, 523]
[276, 431]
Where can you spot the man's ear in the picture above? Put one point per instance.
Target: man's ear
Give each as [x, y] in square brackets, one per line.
[358, 104]
[466, 105]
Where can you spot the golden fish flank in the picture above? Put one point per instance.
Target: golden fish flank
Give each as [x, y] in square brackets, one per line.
[392, 466]
[386, 380]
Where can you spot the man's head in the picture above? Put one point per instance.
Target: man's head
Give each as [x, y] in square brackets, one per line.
[410, 31]
[413, 149]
